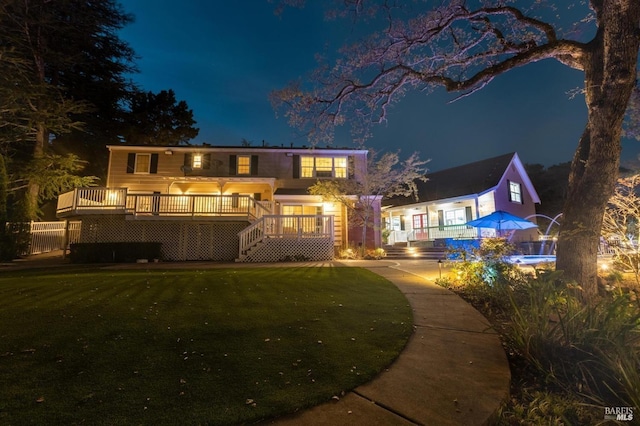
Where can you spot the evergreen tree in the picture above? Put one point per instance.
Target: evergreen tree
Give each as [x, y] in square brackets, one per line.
[65, 64]
[158, 119]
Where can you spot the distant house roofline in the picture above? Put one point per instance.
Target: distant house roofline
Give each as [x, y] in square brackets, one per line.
[212, 148]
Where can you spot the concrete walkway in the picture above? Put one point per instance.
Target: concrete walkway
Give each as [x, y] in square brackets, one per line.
[453, 370]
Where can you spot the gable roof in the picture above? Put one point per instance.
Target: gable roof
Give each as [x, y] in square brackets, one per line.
[473, 178]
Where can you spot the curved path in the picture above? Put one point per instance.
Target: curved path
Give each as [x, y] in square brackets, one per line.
[453, 370]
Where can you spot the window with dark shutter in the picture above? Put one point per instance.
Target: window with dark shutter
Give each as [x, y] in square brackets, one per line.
[154, 164]
[232, 165]
[187, 160]
[352, 167]
[206, 161]
[254, 165]
[296, 166]
[131, 162]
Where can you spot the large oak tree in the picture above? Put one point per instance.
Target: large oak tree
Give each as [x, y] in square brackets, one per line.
[463, 45]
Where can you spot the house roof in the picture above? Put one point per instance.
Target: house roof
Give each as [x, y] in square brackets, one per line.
[305, 150]
[473, 178]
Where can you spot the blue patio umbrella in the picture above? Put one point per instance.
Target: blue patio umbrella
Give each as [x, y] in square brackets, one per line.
[502, 221]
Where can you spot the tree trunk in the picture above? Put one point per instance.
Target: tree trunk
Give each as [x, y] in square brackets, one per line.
[4, 189]
[610, 75]
[33, 189]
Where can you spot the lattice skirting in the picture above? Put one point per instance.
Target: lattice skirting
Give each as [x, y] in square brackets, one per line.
[291, 249]
[180, 240]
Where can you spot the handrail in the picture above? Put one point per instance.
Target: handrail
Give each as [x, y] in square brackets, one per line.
[251, 235]
[96, 200]
[432, 233]
[286, 226]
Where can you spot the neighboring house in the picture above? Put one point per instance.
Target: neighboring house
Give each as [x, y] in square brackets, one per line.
[220, 203]
[452, 197]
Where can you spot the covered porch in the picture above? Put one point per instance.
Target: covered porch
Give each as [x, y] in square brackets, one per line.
[418, 223]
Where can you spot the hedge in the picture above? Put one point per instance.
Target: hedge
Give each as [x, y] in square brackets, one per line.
[120, 252]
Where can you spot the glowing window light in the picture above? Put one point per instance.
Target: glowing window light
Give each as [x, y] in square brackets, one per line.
[244, 164]
[197, 161]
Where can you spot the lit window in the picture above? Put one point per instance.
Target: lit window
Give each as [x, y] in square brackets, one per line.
[455, 217]
[196, 161]
[515, 192]
[143, 163]
[340, 167]
[307, 166]
[244, 164]
[323, 167]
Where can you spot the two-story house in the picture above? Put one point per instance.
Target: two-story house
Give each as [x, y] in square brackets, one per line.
[220, 203]
[452, 197]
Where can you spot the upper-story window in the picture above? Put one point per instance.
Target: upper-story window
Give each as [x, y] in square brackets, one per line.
[142, 163]
[196, 161]
[243, 164]
[515, 192]
[329, 167]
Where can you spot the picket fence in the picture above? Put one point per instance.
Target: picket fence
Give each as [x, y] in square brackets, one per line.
[49, 236]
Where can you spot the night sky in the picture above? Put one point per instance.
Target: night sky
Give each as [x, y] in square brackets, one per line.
[224, 58]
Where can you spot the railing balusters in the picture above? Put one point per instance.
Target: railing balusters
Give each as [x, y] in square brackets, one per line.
[286, 226]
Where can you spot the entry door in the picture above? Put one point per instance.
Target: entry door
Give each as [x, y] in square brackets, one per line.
[420, 226]
[290, 225]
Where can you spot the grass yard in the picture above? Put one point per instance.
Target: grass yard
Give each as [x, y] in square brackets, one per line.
[218, 346]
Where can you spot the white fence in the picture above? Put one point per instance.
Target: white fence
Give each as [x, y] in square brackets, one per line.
[49, 236]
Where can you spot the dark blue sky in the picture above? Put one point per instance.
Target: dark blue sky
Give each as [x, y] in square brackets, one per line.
[224, 58]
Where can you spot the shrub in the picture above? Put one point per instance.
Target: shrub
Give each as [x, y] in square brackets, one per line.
[113, 252]
[587, 349]
[576, 355]
[484, 274]
[487, 265]
[349, 253]
[375, 254]
[14, 240]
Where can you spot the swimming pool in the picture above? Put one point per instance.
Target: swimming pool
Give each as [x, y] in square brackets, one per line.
[531, 259]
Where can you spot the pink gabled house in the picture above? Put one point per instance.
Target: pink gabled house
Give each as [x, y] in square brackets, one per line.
[452, 197]
[220, 203]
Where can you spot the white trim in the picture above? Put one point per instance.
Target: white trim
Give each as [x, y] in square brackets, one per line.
[235, 149]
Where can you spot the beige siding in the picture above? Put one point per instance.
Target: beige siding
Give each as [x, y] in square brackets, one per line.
[275, 170]
[276, 164]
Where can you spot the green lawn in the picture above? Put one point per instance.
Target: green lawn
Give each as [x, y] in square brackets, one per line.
[217, 346]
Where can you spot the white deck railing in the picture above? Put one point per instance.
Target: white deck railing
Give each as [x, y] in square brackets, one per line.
[107, 200]
[447, 231]
[286, 226]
